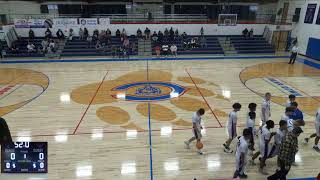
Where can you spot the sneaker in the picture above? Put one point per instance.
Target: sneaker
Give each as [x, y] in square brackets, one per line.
[262, 171]
[228, 150]
[244, 176]
[306, 140]
[235, 174]
[187, 146]
[225, 146]
[316, 148]
[200, 152]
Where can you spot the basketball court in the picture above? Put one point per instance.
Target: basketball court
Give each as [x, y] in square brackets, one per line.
[129, 119]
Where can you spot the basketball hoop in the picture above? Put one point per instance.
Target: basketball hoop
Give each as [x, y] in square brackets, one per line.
[227, 19]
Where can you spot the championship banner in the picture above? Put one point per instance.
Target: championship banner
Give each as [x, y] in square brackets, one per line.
[88, 22]
[311, 10]
[32, 23]
[65, 23]
[104, 21]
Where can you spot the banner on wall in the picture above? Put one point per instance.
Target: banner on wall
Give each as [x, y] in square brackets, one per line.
[104, 21]
[88, 21]
[318, 18]
[32, 23]
[311, 10]
[65, 22]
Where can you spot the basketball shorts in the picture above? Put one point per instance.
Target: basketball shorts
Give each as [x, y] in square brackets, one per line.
[317, 126]
[197, 133]
[264, 150]
[232, 131]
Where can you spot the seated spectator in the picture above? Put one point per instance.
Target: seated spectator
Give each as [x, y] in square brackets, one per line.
[166, 33]
[120, 52]
[171, 34]
[113, 51]
[14, 48]
[99, 46]
[31, 48]
[154, 37]
[52, 46]
[251, 33]
[118, 33]
[147, 33]
[194, 43]
[245, 33]
[184, 36]
[71, 34]
[96, 33]
[160, 37]
[173, 50]
[48, 33]
[103, 37]
[31, 34]
[85, 33]
[176, 33]
[60, 34]
[126, 43]
[185, 44]
[108, 32]
[81, 34]
[139, 33]
[203, 42]
[44, 44]
[124, 33]
[158, 50]
[165, 49]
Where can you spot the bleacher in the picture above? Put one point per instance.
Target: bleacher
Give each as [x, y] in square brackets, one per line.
[78, 47]
[213, 47]
[22, 46]
[254, 45]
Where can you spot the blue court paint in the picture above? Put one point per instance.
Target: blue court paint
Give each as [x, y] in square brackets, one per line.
[140, 59]
[284, 87]
[310, 178]
[309, 63]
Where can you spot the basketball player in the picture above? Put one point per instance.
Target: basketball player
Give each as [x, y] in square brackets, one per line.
[292, 98]
[286, 117]
[265, 138]
[232, 127]
[5, 135]
[265, 109]
[278, 138]
[317, 134]
[251, 124]
[297, 114]
[241, 154]
[196, 129]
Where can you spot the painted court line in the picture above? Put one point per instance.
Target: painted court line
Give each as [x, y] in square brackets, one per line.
[204, 98]
[85, 112]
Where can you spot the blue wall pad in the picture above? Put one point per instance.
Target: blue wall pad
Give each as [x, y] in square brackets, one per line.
[313, 49]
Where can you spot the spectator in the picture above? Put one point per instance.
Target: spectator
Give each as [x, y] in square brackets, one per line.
[173, 50]
[71, 34]
[44, 44]
[60, 34]
[165, 49]
[108, 32]
[113, 51]
[184, 36]
[185, 44]
[194, 43]
[139, 33]
[118, 33]
[154, 37]
[176, 33]
[120, 52]
[81, 34]
[245, 33]
[250, 33]
[14, 48]
[171, 32]
[31, 34]
[286, 157]
[124, 33]
[48, 33]
[5, 135]
[203, 42]
[31, 48]
[201, 31]
[85, 33]
[95, 36]
[147, 33]
[99, 46]
[160, 37]
[126, 43]
[166, 33]
[52, 46]
[158, 50]
[103, 37]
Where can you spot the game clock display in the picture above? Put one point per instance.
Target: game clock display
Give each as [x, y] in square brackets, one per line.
[24, 157]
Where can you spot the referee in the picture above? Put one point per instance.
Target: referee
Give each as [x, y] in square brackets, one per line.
[5, 135]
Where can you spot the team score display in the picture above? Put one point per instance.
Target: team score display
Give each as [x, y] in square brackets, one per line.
[24, 157]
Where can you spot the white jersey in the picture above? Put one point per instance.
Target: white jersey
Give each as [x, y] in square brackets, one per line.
[197, 120]
[317, 124]
[250, 122]
[279, 136]
[232, 122]
[288, 103]
[265, 136]
[242, 147]
[265, 111]
[290, 122]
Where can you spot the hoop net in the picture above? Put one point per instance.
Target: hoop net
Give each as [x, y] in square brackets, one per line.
[227, 19]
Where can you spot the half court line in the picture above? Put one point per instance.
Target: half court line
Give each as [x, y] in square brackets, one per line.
[85, 112]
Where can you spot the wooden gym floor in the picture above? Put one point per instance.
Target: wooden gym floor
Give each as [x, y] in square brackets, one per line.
[100, 124]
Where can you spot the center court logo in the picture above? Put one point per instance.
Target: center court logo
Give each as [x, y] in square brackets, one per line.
[148, 91]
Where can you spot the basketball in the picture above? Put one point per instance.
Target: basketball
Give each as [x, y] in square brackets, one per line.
[199, 145]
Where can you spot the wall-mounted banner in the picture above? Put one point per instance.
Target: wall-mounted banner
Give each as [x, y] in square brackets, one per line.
[33, 23]
[88, 22]
[318, 18]
[311, 10]
[65, 22]
[104, 21]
